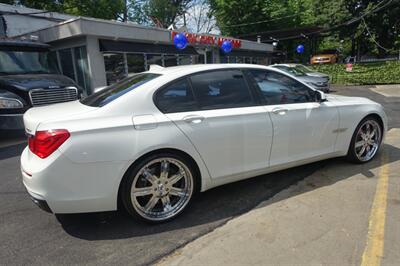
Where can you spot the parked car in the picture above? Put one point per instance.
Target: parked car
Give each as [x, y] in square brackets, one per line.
[155, 139]
[318, 80]
[325, 57]
[27, 79]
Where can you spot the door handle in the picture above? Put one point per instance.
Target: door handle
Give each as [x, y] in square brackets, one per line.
[279, 111]
[193, 119]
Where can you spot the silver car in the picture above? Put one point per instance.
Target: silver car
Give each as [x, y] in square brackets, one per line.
[317, 80]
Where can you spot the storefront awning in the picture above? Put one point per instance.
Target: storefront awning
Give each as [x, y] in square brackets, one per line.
[135, 47]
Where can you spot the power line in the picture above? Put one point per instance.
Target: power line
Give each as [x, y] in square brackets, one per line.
[259, 22]
[293, 15]
[372, 38]
[353, 20]
[377, 8]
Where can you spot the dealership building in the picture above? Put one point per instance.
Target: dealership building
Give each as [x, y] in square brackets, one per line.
[97, 53]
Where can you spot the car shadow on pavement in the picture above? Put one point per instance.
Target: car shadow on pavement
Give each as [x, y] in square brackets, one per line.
[218, 205]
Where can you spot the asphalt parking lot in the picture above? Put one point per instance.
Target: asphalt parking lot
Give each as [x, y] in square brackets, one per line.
[31, 236]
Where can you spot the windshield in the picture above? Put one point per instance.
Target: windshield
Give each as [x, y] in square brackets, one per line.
[23, 62]
[303, 68]
[115, 91]
[291, 70]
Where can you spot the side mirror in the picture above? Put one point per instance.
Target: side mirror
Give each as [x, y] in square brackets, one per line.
[320, 96]
[99, 89]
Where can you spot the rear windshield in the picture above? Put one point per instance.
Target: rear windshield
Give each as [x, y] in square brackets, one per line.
[112, 92]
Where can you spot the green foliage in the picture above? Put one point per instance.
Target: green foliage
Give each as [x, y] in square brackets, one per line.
[9, 2]
[49, 5]
[383, 26]
[363, 74]
[104, 9]
[164, 12]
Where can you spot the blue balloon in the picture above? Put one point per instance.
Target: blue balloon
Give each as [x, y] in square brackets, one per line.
[300, 49]
[226, 46]
[180, 41]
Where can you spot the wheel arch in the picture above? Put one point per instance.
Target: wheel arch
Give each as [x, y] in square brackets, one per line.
[378, 117]
[157, 151]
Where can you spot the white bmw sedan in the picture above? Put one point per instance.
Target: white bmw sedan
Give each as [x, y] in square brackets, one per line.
[155, 139]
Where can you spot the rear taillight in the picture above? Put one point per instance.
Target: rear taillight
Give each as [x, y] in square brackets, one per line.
[46, 142]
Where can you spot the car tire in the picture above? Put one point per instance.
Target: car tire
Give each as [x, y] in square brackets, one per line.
[366, 140]
[159, 187]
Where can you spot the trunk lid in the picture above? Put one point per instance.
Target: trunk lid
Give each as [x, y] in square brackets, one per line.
[36, 115]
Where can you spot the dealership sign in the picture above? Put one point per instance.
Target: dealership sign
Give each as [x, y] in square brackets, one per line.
[193, 38]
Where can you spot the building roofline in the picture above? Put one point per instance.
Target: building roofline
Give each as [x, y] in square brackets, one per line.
[81, 26]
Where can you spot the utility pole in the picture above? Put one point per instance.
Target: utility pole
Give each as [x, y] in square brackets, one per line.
[125, 16]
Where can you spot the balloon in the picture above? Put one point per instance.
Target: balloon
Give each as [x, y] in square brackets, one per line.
[226, 46]
[180, 41]
[300, 49]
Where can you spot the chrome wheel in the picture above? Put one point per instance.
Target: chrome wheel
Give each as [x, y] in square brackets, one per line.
[367, 141]
[161, 189]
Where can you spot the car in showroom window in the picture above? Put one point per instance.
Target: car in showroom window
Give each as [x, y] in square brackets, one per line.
[178, 131]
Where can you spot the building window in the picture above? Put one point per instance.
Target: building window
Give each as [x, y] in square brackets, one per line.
[170, 60]
[198, 59]
[135, 63]
[115, 67]
[53, 62]
[154, 59]
[210, 58]
[82, 68]
[184, 60]
[224, 59]
[66, 63]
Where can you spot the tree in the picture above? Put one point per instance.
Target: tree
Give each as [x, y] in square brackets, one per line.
[8, 2]
[104, 9]
[163, 13]
[378, 32]
[49, 5]
[199, 18]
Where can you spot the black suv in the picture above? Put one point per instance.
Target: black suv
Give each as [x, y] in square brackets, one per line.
[29, 77]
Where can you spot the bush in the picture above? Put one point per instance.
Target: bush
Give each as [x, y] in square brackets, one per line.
[362, 74]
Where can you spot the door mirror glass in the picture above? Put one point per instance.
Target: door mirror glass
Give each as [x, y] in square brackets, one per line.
[320, 96]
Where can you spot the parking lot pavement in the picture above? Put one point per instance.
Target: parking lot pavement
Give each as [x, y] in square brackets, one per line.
[336, 216]
[31, 236]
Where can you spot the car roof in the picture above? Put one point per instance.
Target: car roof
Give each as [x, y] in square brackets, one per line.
[188, 69]
[286, 65]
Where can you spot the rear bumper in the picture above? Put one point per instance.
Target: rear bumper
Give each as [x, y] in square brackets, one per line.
[59, 185]
[42, 204]
[11, 121]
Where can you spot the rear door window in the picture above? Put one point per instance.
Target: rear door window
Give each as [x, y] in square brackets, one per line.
[221, 89]
[176, 97]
